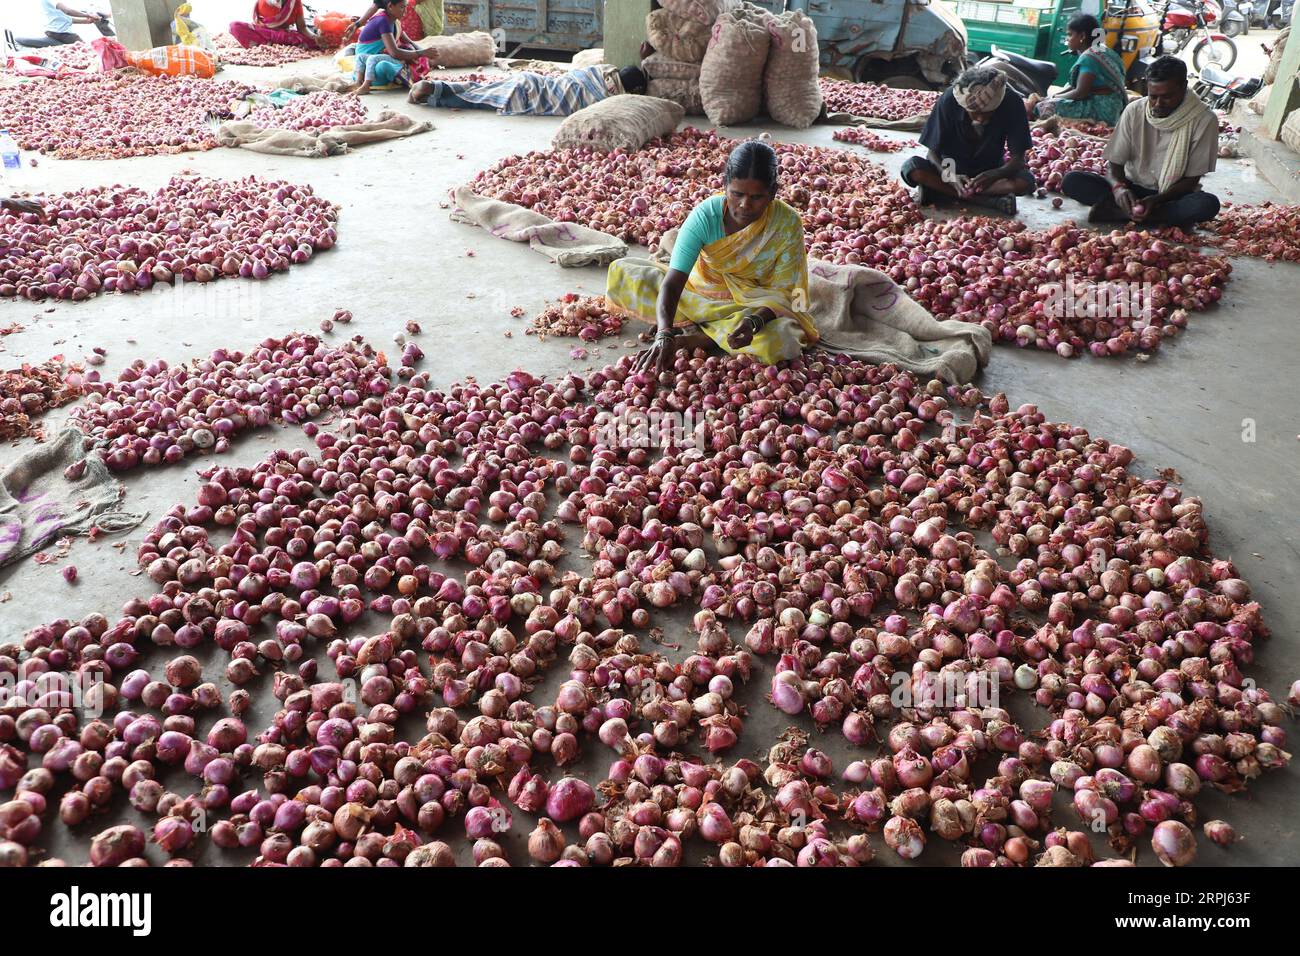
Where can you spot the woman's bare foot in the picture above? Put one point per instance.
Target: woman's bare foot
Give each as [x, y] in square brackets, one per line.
[360, 89]
[1050, 125]
[420, 92]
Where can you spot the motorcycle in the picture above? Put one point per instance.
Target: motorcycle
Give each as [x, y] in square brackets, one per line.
[1236, 20]
[1218, 89]
[1186, 21]
[1025, 75]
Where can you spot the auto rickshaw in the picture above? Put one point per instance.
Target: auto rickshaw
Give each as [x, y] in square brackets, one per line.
[1036, 29]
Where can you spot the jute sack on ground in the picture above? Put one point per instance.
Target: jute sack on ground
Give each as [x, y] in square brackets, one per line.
[701, 11]
[685, 93]
[314, 143]
[588, 58]
[677, 37]
[657, 66]
[863, 313]
[568, 244]
[625, 122]
[38, 505]
[790, 87]
[461, 49]
[731, 76]
[334, 82]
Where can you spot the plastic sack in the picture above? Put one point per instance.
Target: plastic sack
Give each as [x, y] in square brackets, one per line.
[790, 86]
[462, 49]
[174, 61]
[657, 66]
[685, 93]
[588, 58]
[731, 76]
[332, 26]
[701, 11]
[188, 32]
[112, 55]
[625, 122]
[675, 37]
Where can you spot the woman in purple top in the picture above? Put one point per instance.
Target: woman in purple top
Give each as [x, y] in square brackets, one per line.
[380, 52]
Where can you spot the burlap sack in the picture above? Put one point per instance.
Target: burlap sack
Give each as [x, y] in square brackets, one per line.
[731, 76]
[660, 67]
[1291, 131]
[588, 58]
[320, 142]
[685, 93]
[701, 11]
[677, 38]
[624, 122]
[790, 88]
[1275, 58]
[462, 49]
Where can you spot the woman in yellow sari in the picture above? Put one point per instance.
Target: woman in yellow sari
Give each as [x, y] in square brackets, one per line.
[738, 276]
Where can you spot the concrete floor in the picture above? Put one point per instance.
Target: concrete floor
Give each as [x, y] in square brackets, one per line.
[399, 258]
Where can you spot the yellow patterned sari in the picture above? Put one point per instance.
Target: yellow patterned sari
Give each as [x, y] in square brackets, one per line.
[762, 265]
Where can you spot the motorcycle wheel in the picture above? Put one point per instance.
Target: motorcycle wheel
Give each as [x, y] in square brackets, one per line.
[1232, 29]
[1220, 53]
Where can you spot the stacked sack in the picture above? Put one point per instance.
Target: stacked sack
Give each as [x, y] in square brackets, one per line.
[753, 59]
[679, 32]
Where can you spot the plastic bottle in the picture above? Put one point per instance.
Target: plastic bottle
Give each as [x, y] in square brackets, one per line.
[12, 158]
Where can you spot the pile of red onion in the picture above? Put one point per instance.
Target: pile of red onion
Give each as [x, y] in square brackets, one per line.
[112, 116]
[584, 317]
[639, 196]
[1067, 289]
[1055, 154]
[313, 111]
[79, 56]
[264, 54]
[157, 414]
[31, 390]
[122, 239]
[1268, 231]
[421, 543]
[876, 100]
[861, 136]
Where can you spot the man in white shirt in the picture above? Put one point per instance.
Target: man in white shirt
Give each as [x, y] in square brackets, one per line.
[1161, 147]
[59, 20]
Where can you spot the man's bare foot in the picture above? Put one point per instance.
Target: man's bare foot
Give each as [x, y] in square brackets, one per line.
[420, 92]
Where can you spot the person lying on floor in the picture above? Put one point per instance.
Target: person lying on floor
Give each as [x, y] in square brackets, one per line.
[276, 21]
[737, 279]
[977, 136]
[1161, 147]
[59, 19]
[532, 94]
[382, 53]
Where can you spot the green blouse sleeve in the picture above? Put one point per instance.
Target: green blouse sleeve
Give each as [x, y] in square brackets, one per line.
[702, 226]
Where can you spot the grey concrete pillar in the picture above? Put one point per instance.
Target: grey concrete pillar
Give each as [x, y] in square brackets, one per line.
[625, 31]
[144, 24]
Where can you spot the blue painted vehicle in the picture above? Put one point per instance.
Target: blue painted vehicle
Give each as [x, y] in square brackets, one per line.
[902, 42]
[560, 25]
[919, 43]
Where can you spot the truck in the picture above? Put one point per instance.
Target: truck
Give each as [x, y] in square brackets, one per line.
[1036, 29]
[917, 43]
